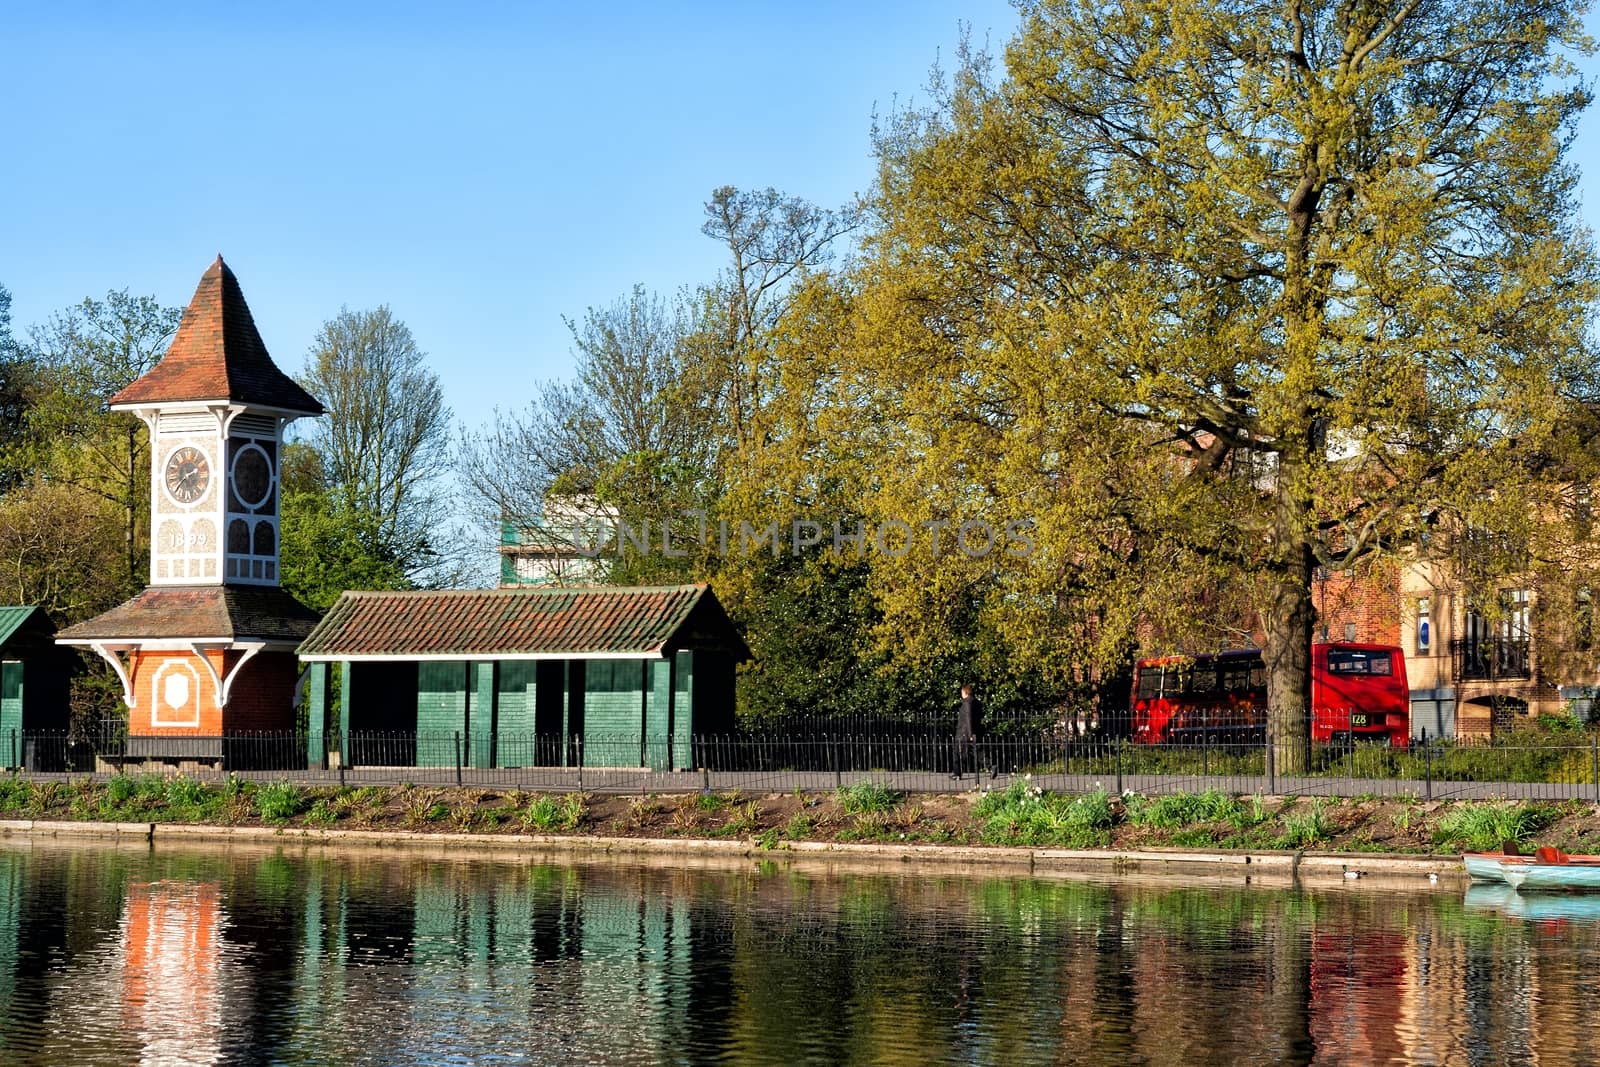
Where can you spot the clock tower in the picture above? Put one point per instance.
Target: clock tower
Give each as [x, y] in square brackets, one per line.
[207, 649]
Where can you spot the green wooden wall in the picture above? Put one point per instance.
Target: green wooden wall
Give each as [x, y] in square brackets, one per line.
[10, 713]
[514, 716]
[658, 714]
[682, 709]
[316, 714]
[613, 712]
[441, 711]
[346, 697]
[511, 713]
[481, 712]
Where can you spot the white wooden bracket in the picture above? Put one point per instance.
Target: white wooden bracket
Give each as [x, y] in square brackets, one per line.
[109, 654]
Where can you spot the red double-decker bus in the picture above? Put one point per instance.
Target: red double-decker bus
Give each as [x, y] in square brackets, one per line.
[1358, 692]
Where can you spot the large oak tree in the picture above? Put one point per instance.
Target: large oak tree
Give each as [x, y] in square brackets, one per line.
[1231, 288]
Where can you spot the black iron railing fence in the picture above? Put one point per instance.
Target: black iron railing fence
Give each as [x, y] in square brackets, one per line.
[1552, 765]
[1491, 658]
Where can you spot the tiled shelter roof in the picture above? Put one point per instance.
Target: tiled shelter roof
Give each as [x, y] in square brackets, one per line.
[537, 623]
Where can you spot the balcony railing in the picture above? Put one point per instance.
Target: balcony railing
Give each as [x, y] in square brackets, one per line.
[1490, 658]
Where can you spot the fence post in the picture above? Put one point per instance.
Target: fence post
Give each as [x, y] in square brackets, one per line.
[1427, 763]
[16, 764]
[577, 745]
[705, 779]
[1272, 764]
[833, 758]
[458, 758]
[1119, 765]
[1594, 765]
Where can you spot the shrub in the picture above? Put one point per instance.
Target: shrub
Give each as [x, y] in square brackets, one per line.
[186, 793]
[280, 801]
[121, 789]
[865, 797]
[745, 819]
[16, 794]
[1176, 810]
[1307, 827]
[1023, 814]
[551, 813]
[1244, 818]
[191, 800]
[322, 813]
[1485, 827]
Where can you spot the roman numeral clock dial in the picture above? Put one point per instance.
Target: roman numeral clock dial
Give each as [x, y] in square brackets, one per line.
[188, 475]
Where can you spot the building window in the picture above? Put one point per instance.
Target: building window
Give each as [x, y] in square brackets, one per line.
[1497, 647]
[1583, 620]
[1424, 625]
[1514, 607]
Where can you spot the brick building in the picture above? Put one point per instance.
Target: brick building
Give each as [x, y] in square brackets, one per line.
[1475, 670]
[207, 649]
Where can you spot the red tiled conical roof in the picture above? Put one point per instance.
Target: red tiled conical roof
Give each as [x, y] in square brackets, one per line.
[218, 355]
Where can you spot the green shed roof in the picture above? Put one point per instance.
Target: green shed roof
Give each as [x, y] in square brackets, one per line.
[523, 623]
[15, 619]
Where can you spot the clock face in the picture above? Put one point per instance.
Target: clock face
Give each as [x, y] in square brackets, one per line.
[188, 475]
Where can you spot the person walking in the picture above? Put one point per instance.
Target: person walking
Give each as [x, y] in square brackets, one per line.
[969, 727]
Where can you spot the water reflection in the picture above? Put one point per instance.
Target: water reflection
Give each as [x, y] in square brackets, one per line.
[127, 956]
[171, 986]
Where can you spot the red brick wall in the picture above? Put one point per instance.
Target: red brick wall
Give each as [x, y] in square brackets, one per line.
[1368, 597]
[153, 713]
[261, 698]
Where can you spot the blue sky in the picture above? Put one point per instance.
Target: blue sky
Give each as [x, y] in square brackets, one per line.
[484, 172]
[482, 169]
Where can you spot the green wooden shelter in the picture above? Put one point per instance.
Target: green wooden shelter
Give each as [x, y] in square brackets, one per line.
[34, 674]
[616, 676]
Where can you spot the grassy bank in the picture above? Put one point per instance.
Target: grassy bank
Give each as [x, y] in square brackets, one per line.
[1020, 815]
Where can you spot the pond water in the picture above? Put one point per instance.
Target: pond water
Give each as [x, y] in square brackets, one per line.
[117, 956]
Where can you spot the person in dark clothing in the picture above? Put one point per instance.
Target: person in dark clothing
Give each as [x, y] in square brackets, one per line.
[969, 728]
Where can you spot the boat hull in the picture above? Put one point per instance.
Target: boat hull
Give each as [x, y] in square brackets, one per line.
[1575, 874]
[1555, 877]
[1484, 868]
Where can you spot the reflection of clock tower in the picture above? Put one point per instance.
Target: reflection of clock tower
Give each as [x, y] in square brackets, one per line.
[207, 649]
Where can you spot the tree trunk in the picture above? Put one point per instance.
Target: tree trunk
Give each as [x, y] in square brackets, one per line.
[1289, 620]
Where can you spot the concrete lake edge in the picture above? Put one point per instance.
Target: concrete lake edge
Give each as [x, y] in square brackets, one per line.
[1264, 867]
